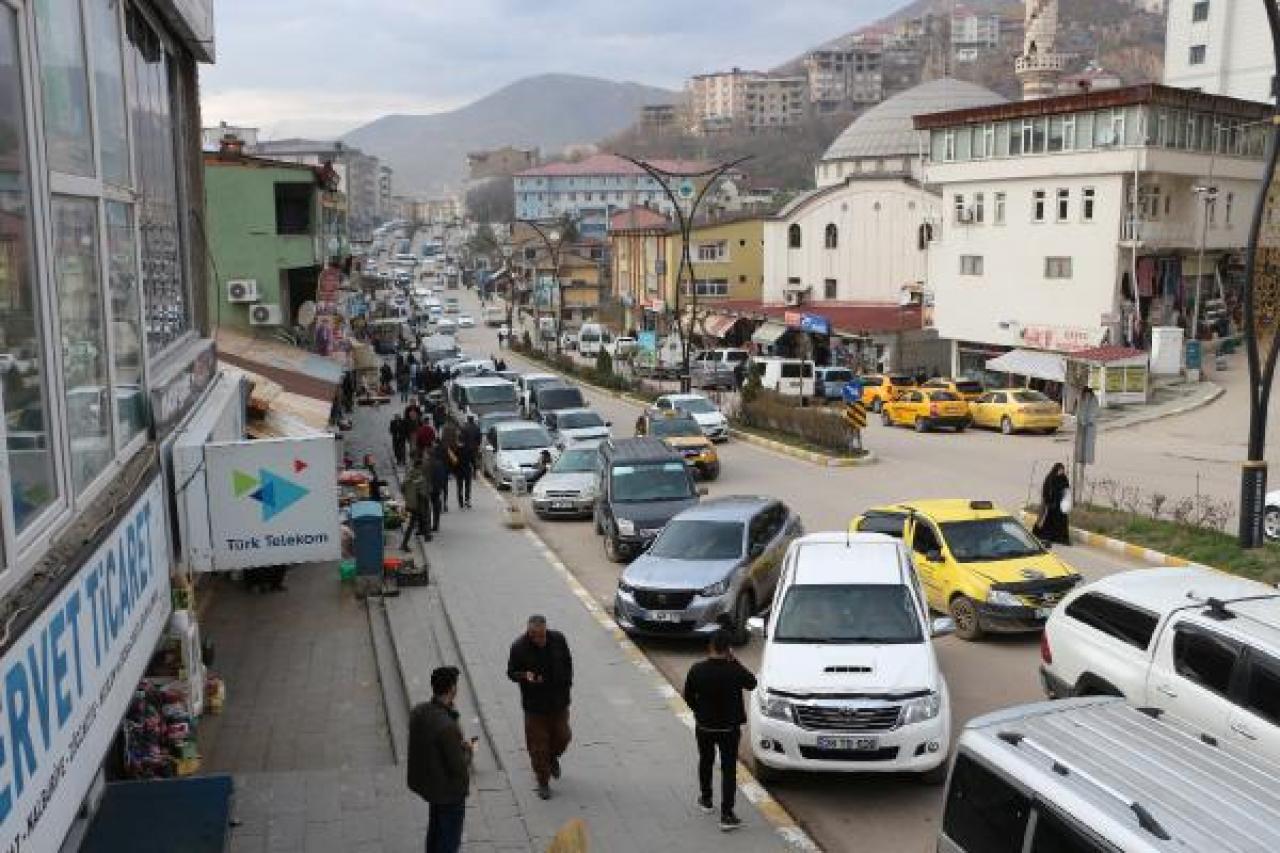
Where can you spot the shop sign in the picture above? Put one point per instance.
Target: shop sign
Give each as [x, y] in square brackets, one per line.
[171, 401]
[811, 323]
[1058, 338]
[70, 676]
[647, 341]
[270, 503]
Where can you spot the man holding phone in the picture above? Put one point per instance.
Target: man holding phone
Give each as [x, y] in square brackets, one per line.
[541, 664]
[440, 762]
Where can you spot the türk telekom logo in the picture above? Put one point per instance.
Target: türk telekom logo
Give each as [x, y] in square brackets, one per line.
[274, 492]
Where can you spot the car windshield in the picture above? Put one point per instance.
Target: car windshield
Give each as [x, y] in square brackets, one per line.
[579, 420]
[848, 613]
[696, 406]
[489, 394]
[969, 387]
[673, 427]
[837, 376]
[901, 380]
[496, 418]
[657, 481]
[550, 399]
[1030, 397]
[579, 461]
[987, 539]
[527, 438]
[699, 540]
[942, 396]
[872, 381]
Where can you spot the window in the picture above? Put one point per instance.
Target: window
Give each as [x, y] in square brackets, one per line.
[948, 145]
[958, 206]
[998, 203]
[712, 287]
[1205, 658]
[979, 207]
[1038, 203]
[1226, 211]
[1197, 54]
[293, 208]
[1057, 268]
[1200, 11]
[971, 265]
[1121, 620]
[108, 78]
[793, 237]
[717, 251]
[984, 811]
[1064, 204]
[924, 539]
[126, 322]
[831, 236]
[987, 145]
[64, 81]
[1087, 198]
[829, 288]
[1055, 834]
[1027, 130]
[1262, 688]
[924, 236]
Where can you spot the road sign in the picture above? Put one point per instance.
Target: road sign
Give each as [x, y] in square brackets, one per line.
[856, 414]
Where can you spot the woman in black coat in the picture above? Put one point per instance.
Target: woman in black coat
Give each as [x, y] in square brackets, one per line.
[1053, 525]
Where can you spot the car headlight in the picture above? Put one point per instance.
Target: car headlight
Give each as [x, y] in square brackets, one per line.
[626, 527]
[716, 590]
[921, 709]
[773, 706]
[1003, 598]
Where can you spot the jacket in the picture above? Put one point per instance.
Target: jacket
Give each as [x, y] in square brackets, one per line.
[553, 662]
[416, 486]
[438, 770]
[713, 691]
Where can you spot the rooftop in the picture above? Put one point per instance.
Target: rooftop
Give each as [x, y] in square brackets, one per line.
[611, 164]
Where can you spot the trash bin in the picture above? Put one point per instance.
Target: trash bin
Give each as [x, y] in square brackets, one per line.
[366, 524]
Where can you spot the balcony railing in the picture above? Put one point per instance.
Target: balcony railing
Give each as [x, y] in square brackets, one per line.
[1157, 233]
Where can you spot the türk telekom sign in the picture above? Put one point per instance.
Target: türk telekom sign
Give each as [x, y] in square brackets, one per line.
[66, 682]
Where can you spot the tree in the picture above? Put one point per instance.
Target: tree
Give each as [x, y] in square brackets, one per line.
[483, 242]
[494, 200]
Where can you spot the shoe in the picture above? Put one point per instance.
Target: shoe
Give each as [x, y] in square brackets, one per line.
[544, 792]
[555, 768]
[729, 822]
[706, 805]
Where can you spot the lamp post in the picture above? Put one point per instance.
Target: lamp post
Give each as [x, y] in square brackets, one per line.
[552, 241]
[1209, 195]
[1261, 321]
[508, 254]
[686, 193]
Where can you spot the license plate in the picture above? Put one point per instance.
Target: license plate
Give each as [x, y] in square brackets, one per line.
[1043, 612]
[857, 744]
[562, 505]
[664, 615]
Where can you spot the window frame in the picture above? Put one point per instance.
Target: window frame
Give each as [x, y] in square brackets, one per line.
[1054, 267]
[1200, 632]
[1199, 11]
[1082, 601]
[999, 203]
[1197, 54]
[1088, 203]
[1255, 659]
[830, 288]
[1062, 204]
[1039, 206]
[971, 265]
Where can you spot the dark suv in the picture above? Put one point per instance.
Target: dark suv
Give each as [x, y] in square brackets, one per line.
[640, 484]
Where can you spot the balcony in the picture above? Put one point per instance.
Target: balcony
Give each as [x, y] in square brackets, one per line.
[1139, 232]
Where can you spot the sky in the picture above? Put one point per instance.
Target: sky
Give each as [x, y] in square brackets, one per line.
[322, 67]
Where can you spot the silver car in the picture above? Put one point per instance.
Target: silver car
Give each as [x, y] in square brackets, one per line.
[576, 426]
[719, 558]
[569, 489]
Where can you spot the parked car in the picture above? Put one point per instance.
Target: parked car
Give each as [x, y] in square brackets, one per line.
[927, 410]
[849, 682]
[468, 367]
[576, 426]
[1200, 646]
[569, 488]
[621, 346]
[829, 382]
[1100, 776]
[682, 434]
[790, 376]
[880, 388]
[479, 395]
[512, 449]
[591, 337]
[466, 321]
[446, 325]
[720, 557]
[640, 485]
[1271, 520]
[712, 421]
[554, 398]
[977, 563]
[968, 390]
[717, 368]
[1017, 410]
[530, 382]
[492, 419]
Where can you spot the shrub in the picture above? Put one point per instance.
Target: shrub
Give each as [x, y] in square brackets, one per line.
[767, 410]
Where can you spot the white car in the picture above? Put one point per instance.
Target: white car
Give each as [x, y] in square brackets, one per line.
[466, 321]
[446, 325]
[569, 488]
[711, 420]
[512, 449]
[849, 682]
[1271, 520]
[1201, 646]
[570, 427]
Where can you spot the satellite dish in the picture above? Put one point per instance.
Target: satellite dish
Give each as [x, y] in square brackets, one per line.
[306, 313]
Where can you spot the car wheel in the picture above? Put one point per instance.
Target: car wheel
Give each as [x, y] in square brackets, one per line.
[711, 473]
[921, 425]
[886, 420]
[744, 607]
[964, 612]
[611, 548]
[1006, 425]
[1271, 524]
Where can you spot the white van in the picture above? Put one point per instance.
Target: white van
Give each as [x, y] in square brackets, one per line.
[591, 337]
[791, 376]
[849, 682]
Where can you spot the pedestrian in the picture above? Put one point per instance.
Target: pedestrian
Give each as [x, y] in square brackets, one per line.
[713, 691]
[416, 489]
[1053, 526]
[424, 438]
[439, 461]
[541, 664]
[402, 381]
[399, 439]
[468, 459]
[439, 762]
[544, 465]
[384, 379]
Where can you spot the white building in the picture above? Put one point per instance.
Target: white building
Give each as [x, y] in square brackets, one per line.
[1040, 65]
[1220, 48]
[1046, 245]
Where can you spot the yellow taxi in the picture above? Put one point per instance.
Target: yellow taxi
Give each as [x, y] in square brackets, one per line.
[681, 433]
[966, 389]
[1017, 410]
[880, 388]
[976, 562]
[926, 410]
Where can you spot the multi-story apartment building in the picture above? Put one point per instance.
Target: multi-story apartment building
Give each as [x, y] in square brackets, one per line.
[745, 99]
[845, 75]
[211, 137]
[385, 192]
[358, 172]
[659, 118]
[500, 162]
[973, 33]
[1080, 220]
[1220, 47]
[773, 103]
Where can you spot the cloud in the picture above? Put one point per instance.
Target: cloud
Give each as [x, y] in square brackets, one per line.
[323, 66]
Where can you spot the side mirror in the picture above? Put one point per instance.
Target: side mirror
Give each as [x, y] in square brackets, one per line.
[942, 627]
[703, 491]
[608, 423]
[756, 626]
[756, 550]
[933, 555]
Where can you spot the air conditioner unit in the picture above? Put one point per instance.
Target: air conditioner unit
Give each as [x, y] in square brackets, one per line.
[265, 314]
[242, 290]
[965, 216]
[794, 297]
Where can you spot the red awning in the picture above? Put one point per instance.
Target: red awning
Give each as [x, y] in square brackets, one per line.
[717, 325]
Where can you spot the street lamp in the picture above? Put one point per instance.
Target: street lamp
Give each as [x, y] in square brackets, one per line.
[552, 240]
[1209, 195]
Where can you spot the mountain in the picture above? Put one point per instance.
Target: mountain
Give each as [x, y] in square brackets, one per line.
[548, 111]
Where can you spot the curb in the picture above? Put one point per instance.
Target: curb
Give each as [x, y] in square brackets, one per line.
[773, 812]
[821, 459]
[1198, 403]
[1080, 536]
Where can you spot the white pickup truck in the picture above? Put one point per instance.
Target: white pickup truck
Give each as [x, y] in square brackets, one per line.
[1198, 645]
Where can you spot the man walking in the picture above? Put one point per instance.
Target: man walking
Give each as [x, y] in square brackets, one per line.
[713, 691]
[541, 664]
[468, 459]
[438, 762]
[417, 500]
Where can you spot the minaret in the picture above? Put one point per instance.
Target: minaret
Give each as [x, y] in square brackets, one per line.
[1039, 65]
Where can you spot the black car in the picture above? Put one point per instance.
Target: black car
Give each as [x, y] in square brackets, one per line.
[553, 398]
[641, 483]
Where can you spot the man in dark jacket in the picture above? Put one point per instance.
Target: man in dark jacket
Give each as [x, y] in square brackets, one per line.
[439, 761]
[713, 691]
[541, 664]
[468, 458]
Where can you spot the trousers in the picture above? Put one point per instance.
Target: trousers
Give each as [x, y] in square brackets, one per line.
[444, 827]
[546, 736]
[727, 743]
[417, 521]
[463, 478]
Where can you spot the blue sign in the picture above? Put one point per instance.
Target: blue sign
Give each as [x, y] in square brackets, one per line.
[647, 341]
[852, 391]
[814, 324]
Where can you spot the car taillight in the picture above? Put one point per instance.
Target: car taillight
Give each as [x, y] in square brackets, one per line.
[1046, 653]
[933, 409]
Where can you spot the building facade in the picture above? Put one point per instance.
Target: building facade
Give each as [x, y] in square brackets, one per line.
[748, 100]
[500, 162]
[659, 118]
[774, 103]
[359, 175]
[843, 76]
[211, 137]
[1219, 48]
[1081, 220]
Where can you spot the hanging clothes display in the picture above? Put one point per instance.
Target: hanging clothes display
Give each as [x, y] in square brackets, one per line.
[1146, 277]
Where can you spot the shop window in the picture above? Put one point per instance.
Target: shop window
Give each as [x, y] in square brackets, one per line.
[793, 237]
[126, 322]
[108, 81]
[32, 482]
[293, 208]
[64, 82]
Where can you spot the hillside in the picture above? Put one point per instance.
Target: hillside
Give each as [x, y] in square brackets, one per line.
[549, 111]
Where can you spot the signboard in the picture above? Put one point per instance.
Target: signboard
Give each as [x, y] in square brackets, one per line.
[647, 341]
[1059, 338]
[172, 400]
[270, 503]
[70, 676]
[812, 323]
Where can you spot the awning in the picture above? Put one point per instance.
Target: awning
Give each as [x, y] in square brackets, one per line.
[296, 370]
[277, 413]
[768, 334]
[193, 815]
[1035, 364]
[718, 324]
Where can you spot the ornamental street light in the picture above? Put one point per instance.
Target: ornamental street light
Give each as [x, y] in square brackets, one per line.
[685, 193]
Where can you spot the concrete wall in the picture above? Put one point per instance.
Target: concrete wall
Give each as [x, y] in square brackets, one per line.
[1238, 59]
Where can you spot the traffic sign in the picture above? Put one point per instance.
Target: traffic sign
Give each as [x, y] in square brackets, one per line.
[856, 414]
